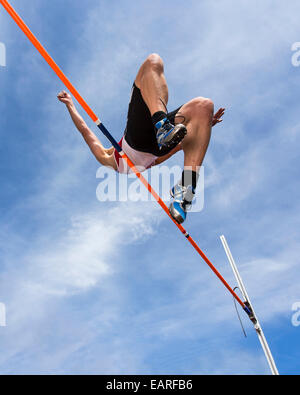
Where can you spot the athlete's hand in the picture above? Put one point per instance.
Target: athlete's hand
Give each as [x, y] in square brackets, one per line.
[65, 98]
[217, 117]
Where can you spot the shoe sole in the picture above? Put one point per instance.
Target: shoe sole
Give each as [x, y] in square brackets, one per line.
[177, 217]
[176, 139]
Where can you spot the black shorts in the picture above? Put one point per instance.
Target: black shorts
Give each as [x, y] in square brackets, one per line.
[140, 132]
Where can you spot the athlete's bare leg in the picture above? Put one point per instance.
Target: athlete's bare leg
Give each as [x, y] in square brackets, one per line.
[198, 115]
[153, 86]
[152, 83]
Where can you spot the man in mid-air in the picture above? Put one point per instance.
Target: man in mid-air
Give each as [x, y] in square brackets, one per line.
[153, 135]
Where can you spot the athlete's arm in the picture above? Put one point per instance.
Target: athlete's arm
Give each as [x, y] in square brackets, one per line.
[162, 159]
[103, 155]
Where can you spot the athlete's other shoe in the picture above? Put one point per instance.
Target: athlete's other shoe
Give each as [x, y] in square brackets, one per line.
[169, 135]
[183, 197]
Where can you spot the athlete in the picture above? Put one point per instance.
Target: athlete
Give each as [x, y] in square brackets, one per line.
[153, 135]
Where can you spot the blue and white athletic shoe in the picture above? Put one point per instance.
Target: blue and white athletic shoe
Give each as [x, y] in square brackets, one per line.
[169, 135]
[183, 197]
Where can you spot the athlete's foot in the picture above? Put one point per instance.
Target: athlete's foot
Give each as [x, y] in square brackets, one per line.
[183, 197]
[169, 135]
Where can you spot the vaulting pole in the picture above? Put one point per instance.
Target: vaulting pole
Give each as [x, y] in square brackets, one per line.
[103, 129]
[257, 326]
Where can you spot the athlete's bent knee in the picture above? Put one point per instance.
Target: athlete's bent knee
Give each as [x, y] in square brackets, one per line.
[199, 107]
[203, 103]
[154, 62]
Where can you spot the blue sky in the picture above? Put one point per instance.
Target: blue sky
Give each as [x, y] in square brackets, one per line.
[113, 288]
